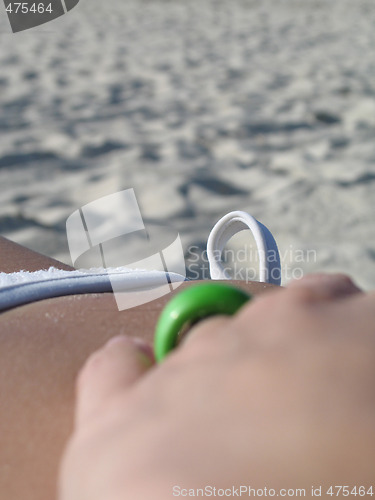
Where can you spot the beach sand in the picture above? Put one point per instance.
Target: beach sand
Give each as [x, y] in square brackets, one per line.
[203, 107]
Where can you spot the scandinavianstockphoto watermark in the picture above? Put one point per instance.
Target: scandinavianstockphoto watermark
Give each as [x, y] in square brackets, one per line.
[242, 264]
[144, 263]
[240, 491]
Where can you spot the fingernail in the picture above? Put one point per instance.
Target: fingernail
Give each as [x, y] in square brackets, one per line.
[140, 344]
[342, 280]
[118, 339]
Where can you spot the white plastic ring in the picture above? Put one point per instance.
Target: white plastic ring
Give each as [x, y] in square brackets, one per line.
[228, 226]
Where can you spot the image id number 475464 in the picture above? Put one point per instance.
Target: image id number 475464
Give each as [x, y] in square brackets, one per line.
[345, 491]
[26, 8]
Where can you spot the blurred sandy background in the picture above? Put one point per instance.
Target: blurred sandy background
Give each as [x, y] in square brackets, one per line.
[203, 107]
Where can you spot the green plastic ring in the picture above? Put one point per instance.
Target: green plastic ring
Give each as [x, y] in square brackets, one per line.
[192, 305]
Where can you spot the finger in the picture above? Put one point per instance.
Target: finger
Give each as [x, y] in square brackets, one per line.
[108, 373]
[325, 286]
[362, 308]
[205, 330]
[206, 339]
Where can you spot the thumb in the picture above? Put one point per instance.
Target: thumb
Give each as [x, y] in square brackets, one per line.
[107, 373]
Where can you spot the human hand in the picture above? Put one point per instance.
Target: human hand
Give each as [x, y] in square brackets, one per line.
[279, 396]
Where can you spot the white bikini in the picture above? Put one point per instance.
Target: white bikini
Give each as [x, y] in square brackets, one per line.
[24, 287]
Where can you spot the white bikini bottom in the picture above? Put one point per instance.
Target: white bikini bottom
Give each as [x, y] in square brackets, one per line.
[140, 285]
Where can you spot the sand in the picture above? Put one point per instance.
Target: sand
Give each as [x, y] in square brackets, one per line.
[203, 107]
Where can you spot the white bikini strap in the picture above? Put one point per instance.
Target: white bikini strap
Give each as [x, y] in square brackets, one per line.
[228, 226]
